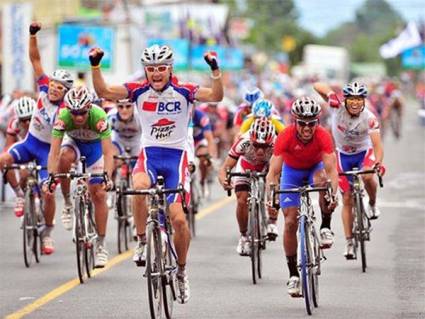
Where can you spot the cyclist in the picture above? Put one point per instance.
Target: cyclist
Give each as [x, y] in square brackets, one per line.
[245, 108]
[36, 145]
[87, 134]
[205, 147]
[17, 129]
[18, 125]
[262, 108]
[165, 106]
[358, 143]
[303, 153]
[252, 151]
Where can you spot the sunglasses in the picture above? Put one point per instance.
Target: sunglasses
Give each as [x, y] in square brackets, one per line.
[312, 123]
[79, 112]
[159, 68]
[125, 106]
[260, 145]
[25, 120]
[57, 86]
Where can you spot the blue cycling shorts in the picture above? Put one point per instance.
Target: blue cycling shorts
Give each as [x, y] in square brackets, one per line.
[30, 149]
[292, 178]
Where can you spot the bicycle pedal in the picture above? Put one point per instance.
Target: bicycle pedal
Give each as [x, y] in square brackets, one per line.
[271, 237]
[140, 263]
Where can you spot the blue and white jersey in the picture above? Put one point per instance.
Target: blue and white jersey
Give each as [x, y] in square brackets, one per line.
[126, 131]
[164, 115]
[201, 124]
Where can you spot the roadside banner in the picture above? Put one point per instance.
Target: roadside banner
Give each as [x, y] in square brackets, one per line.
[75, 41]
[228, 58]
[16, 67]
[414, 58]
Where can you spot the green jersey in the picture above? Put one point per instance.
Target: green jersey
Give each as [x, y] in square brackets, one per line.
[95, 129]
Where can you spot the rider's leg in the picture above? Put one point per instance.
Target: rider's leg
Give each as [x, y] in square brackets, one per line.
[347, 214]
[98, 196]
[290, 246]
[67, 157]
[140, 209]
[241, 191]
[320, 179]
[370, 186]
[5, 160]
[181, 232]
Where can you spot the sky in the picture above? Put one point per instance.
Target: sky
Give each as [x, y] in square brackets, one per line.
[320, 16]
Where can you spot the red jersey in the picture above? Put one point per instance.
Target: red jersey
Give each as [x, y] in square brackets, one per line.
[298, 155]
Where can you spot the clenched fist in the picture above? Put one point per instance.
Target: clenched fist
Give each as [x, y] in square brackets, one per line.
[34, 28]
[95, 55]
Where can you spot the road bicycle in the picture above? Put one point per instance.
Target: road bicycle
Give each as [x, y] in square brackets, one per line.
[123, 208]
[195, 202]
[33, 220]
[85, 233]
[257, 218]
[361, 223]
[161, 257]
[309, 254]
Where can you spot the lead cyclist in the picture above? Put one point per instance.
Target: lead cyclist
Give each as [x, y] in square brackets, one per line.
[165, 107]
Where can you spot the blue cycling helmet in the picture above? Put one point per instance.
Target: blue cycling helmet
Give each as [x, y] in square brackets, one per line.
[253, 95]
[262, 108]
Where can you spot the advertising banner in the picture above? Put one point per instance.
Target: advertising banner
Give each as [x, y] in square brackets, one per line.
[414, 58]
[16, 67]
[75, 41]
[228, 58]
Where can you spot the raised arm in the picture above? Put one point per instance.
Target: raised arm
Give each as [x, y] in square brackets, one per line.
[327, 94]
[215, 93]
[103, 90]
[34, 53]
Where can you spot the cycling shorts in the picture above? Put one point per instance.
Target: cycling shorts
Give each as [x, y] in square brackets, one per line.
[30, 149]
[166, 162]
[93, 153]
[346, 162]
[121, 145]
[239, 180]
[293, 178]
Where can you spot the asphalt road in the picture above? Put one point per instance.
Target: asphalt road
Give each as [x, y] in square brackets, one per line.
[392, 287]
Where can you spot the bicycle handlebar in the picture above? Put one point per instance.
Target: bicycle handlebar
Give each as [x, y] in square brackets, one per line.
[248, 173]
[125, 157]
[368, 171]
[30, 167]
[151, 191]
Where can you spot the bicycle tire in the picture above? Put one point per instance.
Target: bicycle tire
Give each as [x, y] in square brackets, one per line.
[28, 229]
[260, 248]
[89, 242]
[37, 233]
[122, 240]
[153, 271]
[263, 226]
[168, 280]
[305, 274]
[253, 223]
[315, 267]
[361, 230]
[79, 238]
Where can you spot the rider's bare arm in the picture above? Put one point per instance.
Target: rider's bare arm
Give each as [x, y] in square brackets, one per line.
[275, 168]
[323, 89]
[213, 94]
[108, 151]
[10, 140]
[103, 90]
[229, 163]
[378, 149]
[212, 147]
[329, 162]
[35, 58]
[55, 147]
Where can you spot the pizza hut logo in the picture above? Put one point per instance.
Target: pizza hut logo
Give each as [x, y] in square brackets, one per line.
[102, 126]
[59, 125]
[162, 129]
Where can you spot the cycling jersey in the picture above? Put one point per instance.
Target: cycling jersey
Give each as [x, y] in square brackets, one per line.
[201, 124]
[164, 115]
[14, 128]
[85, 141]
[126, 134]
[96, 128]
[276, 121]
[299, 155]
[351, 134]
[45, 113]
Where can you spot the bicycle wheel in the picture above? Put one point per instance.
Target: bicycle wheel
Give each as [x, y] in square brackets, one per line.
[122, 236]
[315, 258]
[28, 229]
[193, 209]
[39, 220]
[168, 280]
[254, 239]
[305, 264]
[154, 271]
[361, 230]
[79, 237]
[89, 244]
[263, 226]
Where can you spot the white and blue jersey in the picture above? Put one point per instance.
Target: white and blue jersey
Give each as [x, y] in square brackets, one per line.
[201, 124]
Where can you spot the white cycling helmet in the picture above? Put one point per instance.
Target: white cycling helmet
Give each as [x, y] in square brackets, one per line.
[262, 131]
[355, 89]
[78, 98]
[24, 107]
[305, 107]
[156, 54]
[63, 77]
